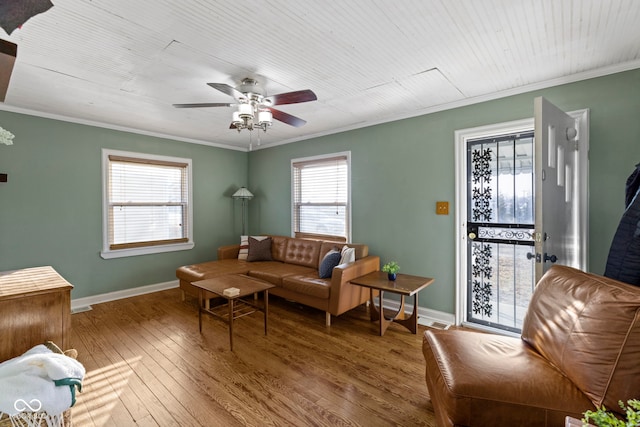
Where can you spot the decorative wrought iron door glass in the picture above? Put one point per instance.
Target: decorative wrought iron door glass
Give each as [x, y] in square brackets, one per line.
[500, 228]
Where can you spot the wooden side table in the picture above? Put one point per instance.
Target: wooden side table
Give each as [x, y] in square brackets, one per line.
[405, 286]
[35, 306]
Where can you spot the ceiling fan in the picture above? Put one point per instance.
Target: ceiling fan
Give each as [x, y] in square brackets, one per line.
[254, 107]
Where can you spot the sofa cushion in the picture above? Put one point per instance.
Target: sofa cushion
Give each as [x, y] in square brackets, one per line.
[279, 247]
[273, 271]
[589, 327]
[303, 252]
[259, 249]
[244, 247]
[479, 379]
[360, 250]
[348, 255]
[329, 246]
[207, 270]
[330, 260]
[308, 284]
[243, 252]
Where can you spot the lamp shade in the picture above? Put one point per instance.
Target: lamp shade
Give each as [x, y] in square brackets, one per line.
[245, 110]
[242, 193]
[265, 117]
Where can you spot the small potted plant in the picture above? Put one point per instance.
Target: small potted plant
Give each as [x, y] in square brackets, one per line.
[602, 418]
[391, 268]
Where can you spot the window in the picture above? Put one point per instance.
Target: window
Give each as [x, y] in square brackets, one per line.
[146, 204]
[321, 197]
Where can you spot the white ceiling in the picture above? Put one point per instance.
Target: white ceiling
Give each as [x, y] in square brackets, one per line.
[123, 63]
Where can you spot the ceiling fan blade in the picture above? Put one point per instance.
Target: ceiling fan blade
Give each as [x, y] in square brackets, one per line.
[229, 90]
[287, 118]
[202, 104]
[293, 97]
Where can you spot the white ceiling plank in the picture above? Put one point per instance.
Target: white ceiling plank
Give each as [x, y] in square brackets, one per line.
[125, 62]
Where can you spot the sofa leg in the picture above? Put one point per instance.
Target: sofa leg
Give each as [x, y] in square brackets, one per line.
[327, 320]
[183, 295]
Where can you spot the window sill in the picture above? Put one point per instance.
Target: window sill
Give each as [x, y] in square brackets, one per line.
[121, 253]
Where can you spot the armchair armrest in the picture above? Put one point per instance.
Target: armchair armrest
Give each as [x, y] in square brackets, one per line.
[345, 296]
[228, 252]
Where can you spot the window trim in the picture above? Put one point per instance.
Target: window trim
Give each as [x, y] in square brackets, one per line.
[322, 157]
[133, 249]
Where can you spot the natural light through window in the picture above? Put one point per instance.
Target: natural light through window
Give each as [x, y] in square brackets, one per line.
[321, 196]
[147, 204]
[102, 389]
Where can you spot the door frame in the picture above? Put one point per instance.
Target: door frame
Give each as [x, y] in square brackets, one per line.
[461, 137]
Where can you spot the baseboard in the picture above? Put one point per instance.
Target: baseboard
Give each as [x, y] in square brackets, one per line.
[426, 316]
[82, 304]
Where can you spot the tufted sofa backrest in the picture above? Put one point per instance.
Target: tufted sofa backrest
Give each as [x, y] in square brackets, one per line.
[302, 252]
[308, 252]
[279, 247]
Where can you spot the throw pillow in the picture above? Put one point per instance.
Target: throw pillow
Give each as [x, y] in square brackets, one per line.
[244, 247]
[348, 255]
[259, 249]
[330, 260]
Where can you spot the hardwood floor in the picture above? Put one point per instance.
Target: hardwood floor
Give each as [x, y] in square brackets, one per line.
[147, 365]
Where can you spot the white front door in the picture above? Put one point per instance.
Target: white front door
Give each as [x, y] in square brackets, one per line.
[557, 219]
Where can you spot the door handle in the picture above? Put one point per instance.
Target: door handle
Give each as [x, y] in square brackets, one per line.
[551, 258]
[532, 256]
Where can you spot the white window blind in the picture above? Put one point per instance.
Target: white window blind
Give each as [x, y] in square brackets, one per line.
[147, 202]
[321, 197]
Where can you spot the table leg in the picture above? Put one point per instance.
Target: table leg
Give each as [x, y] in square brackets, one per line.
[384, 323]
[266, 309]
[231, 300]
[374, 314]
[200, 292]
[411, 322]
[400, 314]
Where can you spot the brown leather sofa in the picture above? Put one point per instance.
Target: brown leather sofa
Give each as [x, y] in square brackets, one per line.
[294, 272]
[579, 348]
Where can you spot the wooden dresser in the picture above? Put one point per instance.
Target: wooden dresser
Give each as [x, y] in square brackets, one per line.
[35, 306]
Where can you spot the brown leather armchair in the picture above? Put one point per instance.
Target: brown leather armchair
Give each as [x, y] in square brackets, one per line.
[579, 348]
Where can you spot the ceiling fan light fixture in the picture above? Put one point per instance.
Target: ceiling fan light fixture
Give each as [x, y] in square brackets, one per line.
[265, 118]
[245, 111]
[236, 121]
[254, 107]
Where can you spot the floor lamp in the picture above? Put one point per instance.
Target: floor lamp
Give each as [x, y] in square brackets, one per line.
[244, 195]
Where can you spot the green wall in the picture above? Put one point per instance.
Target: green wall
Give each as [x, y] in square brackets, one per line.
[50, 210]
[51, 206]
[400, 169]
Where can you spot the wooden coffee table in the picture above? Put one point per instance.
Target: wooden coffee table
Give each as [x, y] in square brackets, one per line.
[404, 285]
[236, 306]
